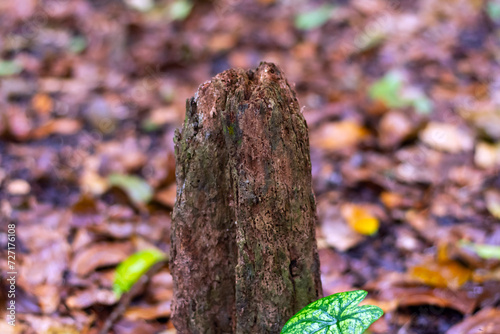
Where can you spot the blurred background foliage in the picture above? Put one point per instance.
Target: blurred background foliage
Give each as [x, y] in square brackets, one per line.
[403, 105]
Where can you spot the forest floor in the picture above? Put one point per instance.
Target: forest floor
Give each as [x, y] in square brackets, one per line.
[402, 100]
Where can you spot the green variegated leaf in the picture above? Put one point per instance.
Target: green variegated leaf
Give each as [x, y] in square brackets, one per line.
[335, 314]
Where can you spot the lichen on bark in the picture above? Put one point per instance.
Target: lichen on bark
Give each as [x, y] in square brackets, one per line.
[244, 256]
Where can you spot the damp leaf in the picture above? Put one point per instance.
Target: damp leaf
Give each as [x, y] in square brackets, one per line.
[129, 271]
[335, 314]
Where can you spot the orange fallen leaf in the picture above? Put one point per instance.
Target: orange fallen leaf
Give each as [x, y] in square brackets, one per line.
[359, 219]
[42, 103]
[391, 200]
[338, 135]
[449, 274]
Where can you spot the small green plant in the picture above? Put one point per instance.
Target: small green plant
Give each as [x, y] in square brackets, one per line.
[392, 90]
[129, 271]
[335, 314]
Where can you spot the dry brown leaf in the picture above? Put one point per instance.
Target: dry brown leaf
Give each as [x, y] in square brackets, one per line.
[486, 321]
[442, 298]
[52, 324]
[167, 196]
[121, 156]
[60, 126]
[165, 115]
[395, 126]
[100, 255]
[148, 312]
[161, 286]
[222, 41]
[89, 297]
[339, 235]
[85, 211]
[49, 251]
[48, 296]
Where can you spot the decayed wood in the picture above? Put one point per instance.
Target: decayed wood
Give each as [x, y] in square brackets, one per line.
[244, 256]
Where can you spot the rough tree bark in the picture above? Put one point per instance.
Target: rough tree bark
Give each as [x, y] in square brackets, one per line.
[244, 256]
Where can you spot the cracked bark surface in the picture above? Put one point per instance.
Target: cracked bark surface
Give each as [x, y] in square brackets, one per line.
[243, 256]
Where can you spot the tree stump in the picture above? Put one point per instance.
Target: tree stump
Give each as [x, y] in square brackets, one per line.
[243, 256]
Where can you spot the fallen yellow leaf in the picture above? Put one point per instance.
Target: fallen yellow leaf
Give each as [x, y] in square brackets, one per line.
[360, 219]
[338, 135]
[443, 275]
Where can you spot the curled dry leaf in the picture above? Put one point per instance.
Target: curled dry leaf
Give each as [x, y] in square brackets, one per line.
[99, 255]
[416, 296]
